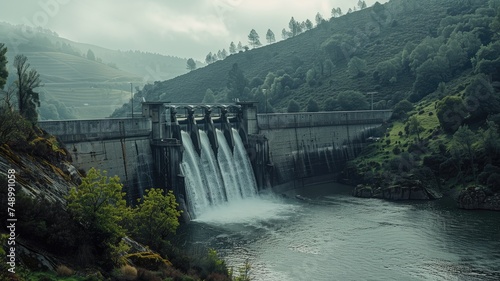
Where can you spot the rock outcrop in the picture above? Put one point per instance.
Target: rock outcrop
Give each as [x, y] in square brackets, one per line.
[39, 176]
[403, 190]
[478, 198]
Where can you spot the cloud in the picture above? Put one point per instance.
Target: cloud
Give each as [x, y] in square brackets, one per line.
[188, 28]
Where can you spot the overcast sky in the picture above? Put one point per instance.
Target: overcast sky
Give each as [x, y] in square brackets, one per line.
[183, 28]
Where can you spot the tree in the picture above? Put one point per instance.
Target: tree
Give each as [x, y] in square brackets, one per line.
[209, 58]
[13, 126]
[451, 113]
[285, 34]
[27, 80]
[319, 19]
[236, 83]
[415, 127]
[352, 100]
[486, 59]
[328, 66]
[401, 108]
[386, 72]
[253, 39]
[312, 106]
[240, 47]
[339, 47]
[156, 217]
[232, 48]
[336, 12]
[191, 64]
[223, 54]
[356, 67]
[3, 66]
[308, 24]
[270, 37]
[90, 55]
[490, 142]
[98, 205]
[361, 5]
[329, 104]
[209, 97]
[462, 145]
[480, 98]
[429, 75]
[294, 27]
[293, 106]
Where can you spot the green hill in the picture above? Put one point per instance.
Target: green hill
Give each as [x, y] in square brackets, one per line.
[300, 63]
[77, 85]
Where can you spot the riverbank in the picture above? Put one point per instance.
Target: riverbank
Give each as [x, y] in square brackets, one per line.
[471, 198]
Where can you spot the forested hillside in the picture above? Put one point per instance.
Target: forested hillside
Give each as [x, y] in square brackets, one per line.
[371, 50]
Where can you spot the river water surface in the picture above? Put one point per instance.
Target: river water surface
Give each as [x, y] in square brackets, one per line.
[334, 236]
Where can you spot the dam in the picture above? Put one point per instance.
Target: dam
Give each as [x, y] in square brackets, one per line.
[213, 153]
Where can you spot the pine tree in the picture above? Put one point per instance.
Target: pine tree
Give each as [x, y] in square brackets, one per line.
[191, 64]
[253, 39]
[232, 48]
[270, 37]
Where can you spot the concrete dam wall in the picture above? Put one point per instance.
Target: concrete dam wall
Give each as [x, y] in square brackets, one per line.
[283, 148]
[119, 146]
[307, 145]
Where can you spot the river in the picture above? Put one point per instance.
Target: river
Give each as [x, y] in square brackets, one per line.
[334, 236]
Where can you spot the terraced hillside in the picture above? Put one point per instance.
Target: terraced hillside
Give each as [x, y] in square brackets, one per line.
[76, 86]
[85, 88]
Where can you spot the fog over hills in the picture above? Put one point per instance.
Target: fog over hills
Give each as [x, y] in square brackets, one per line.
[90, 81]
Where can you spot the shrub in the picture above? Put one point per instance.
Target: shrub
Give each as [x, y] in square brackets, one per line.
[148, 260]
[64, 271]
[451, 113]
[128, 271]
[293, 106]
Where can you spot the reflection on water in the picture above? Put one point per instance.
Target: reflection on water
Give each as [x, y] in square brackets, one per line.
[335, 236]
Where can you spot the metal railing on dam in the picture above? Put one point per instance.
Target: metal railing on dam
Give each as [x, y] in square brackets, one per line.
[70, 131]
[321, 119]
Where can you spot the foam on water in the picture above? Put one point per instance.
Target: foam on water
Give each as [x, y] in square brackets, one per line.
[248, 211]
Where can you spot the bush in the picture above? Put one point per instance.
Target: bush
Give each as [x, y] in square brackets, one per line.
[293, 106]
[352, 100]
[64, 271]
[148, 260]
[401, 109]
[493, 182]
[451, 113]
[128, 271]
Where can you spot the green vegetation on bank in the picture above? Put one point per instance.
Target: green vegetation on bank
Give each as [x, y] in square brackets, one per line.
[91, 231]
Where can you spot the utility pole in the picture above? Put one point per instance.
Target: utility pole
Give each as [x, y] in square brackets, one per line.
[372, 93]
[132, 99]
[265, 94]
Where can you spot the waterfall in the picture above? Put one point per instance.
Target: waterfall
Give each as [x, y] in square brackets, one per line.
[196, 192]
[243, 167]
[228, 168]
[212, 181]
[211, 171]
